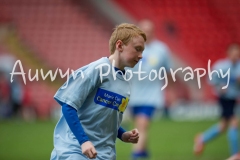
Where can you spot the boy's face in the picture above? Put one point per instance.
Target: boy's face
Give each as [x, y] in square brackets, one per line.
[234, 54]
[132, 52]
[148, 28]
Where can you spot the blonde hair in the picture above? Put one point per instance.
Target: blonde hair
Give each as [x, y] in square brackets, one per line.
[124, 32]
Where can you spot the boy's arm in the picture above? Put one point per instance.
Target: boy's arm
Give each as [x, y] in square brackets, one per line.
[74, 124]
[70, 114]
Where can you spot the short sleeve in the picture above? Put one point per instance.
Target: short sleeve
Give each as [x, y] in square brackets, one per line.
[75, 91]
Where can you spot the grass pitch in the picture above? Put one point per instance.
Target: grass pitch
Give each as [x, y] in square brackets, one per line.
[168, 140]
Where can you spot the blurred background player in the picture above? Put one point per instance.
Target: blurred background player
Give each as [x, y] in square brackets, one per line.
[227, 99]
[11, 93]
[147, 96]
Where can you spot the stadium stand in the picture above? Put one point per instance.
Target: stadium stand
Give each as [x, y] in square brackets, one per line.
[196, 31]
[59, 33]
[204, 28]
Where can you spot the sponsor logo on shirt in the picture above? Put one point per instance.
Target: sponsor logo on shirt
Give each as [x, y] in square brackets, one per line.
[111, 100]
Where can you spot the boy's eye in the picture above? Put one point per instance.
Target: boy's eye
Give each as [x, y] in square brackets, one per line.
[138, 49]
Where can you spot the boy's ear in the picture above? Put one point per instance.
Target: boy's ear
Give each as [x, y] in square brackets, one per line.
[119, 45]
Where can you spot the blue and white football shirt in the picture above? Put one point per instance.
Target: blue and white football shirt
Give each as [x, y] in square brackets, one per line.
[100, 107]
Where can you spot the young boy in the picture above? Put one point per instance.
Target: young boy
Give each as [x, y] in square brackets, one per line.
[93, 105]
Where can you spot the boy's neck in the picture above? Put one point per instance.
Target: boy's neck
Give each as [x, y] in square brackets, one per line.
[115, 57]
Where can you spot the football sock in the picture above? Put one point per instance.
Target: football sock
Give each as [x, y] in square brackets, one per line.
[233, 139]
[211, 133]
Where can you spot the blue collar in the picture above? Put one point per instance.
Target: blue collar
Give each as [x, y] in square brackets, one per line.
[121, 72]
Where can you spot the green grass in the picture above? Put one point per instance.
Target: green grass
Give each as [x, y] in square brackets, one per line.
[168, 141]
[26, 141]
[174, 141]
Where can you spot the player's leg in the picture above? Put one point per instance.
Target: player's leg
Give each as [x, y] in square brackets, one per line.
[142, 117]
[214, 131]
[233, 127]
[142, 124]
[233, 135]
[208, 135]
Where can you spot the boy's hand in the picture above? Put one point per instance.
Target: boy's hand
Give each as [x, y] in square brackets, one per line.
[89, 150]
[131, 136]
